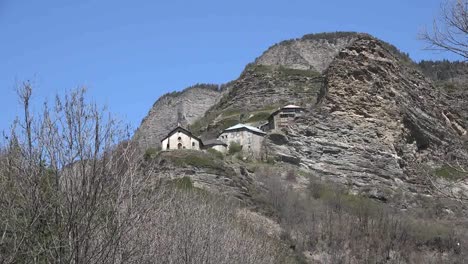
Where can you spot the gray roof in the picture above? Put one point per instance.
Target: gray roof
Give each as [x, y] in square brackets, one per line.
[213, 142]
[243, 126]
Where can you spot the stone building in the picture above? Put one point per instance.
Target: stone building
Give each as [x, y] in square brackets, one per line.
[250, 138]
[284, 117]
[180, 138]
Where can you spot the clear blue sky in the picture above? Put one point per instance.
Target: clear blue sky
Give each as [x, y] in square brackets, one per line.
[128, 53]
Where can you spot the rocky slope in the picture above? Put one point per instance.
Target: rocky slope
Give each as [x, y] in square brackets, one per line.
[451, 78]
[375, 122]
[180, 107]
[374, 119]
[314, 51]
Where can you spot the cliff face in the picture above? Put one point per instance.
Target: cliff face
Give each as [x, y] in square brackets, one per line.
[375, 122]
[183, 107]
[373, 118]
[311, 52]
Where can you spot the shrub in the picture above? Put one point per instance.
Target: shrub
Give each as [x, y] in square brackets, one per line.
[151, 153]
[291, 176]
[234, 148]
[215, 153]
[450, 173]
[184, 183]
[258, 117]
[297, 72]
[198, 160]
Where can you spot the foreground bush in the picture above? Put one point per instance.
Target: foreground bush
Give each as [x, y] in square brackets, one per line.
[72, 191]
[337, 227]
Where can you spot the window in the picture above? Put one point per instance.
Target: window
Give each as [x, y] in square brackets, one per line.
[167, 147]
[179, 138]
[193, 144]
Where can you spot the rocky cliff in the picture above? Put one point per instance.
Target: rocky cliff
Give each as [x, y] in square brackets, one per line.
[374, 119]
[375, 122]
[179, 107]
[313, 51]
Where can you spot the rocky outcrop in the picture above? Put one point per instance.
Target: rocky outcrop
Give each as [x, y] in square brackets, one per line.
[314, 51]
[375, 120]
[206, 171]
[180, 107]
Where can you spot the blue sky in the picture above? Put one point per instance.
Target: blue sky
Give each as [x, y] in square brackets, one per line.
[128, 53]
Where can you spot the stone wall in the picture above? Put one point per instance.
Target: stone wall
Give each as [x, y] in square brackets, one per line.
[251, 143]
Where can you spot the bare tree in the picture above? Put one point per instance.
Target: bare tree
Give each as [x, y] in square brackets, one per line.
[75, 189]
[450, 31]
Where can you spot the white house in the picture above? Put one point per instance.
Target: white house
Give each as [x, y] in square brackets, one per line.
[249, 137]
[181, 138]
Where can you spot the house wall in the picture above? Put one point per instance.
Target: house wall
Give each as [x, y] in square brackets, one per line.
[251, 143]
[186, 141]
[284, 118]
[220, 148]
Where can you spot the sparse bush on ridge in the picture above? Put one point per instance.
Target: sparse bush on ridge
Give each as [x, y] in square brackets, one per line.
[216, 153]
[345, 228]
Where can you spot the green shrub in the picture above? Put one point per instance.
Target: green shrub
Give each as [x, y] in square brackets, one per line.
[258, 117]
[297, 72]
[197, 160]
[234, 148]
[450, 173]
[151, 153]
[270, 160]
[228, 122]
[184, 183]
[231, 112]
[215, 153]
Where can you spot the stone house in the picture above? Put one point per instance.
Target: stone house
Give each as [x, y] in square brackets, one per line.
[250, 138]
[284, 117]
[180, 138]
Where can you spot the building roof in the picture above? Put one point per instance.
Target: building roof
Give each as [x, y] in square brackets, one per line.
[285, 108]
[213, 142]
[291, 106]
[181, 129]
[246, 127]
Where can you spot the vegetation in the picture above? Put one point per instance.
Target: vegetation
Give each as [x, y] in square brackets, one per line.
[234, 148]
[331, 36]
[260, 116]
[196, 159]
[297, 72]
[151, 153]
[450, 173]
[71, 191]
[216, 153]
[345, 228]
[449, 76]
[208, 86]
[184, 183]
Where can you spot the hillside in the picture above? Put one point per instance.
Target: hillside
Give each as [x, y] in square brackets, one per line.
[374, 118]
[371, 169]
[381, 134]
